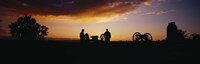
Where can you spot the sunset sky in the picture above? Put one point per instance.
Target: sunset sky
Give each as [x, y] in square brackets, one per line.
[66, 18]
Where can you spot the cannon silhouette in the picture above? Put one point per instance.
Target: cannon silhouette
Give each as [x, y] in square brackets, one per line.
[93, 38]
[137, 36]
[87, 38]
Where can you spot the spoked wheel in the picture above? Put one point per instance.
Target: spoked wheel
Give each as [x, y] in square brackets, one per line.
[102, 37]
[148, 37]
[86, 37]
[136, 36]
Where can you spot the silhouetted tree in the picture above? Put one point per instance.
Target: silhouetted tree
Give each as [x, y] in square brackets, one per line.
[181, 35]
[195, 37]
[27, 28]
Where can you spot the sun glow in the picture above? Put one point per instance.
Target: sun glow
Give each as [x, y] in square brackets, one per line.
[95, 19]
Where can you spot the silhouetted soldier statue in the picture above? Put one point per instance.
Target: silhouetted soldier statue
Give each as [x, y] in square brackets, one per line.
[82, 39]
[107, 36]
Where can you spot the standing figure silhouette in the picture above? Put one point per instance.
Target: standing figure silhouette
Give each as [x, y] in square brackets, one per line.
[82, 39]
[107, 36]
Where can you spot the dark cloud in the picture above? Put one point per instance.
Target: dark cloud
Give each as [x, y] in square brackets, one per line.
[71, 7]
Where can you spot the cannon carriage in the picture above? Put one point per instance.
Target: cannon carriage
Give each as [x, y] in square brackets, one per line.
[137, 36]
[95, 38]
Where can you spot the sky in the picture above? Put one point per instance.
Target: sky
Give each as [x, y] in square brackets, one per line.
[66, 18]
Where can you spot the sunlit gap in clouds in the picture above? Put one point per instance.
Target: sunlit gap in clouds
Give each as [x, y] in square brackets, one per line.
[80, 19]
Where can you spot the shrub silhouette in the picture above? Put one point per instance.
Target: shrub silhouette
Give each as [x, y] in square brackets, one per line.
[195, 37]
[181, 35]
[27, 28]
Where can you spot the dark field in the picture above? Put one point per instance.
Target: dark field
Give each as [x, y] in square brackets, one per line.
[99, 53]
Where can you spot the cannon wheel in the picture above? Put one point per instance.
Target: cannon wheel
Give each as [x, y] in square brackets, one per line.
[102, 37]
[149, 37]
[136, 36]
[86, 37]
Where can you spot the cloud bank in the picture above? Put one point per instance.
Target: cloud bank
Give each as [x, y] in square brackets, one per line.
[84, 10]
[159, 12]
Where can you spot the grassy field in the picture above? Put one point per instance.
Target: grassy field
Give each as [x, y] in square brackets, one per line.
[74, 52]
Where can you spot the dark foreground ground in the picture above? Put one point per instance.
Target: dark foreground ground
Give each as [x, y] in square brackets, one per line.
[57, 52]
